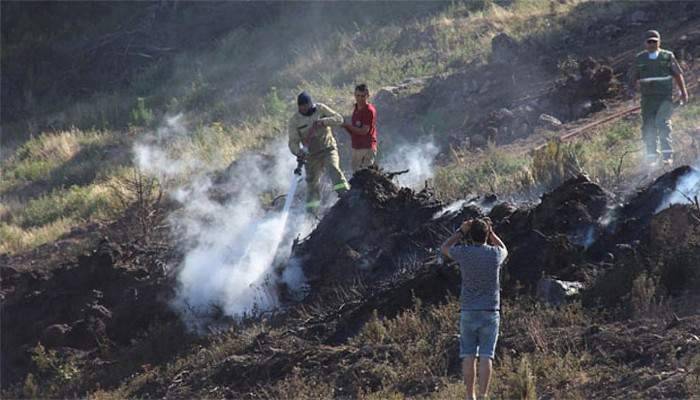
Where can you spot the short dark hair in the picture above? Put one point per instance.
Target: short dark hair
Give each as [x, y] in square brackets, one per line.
[479, 230]
[362, 87]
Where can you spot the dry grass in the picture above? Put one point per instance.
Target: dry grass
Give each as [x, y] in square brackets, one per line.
[423, 334]
[41, 158]
[198, 358]
[556, 364]
[495, 172]
[297, 386]
[410, 356]
[15, 239]
[229, 122]
[44, 219]
[54, 182]
[609, 155]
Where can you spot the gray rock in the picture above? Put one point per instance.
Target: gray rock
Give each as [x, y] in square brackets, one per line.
[639, 16]
[549, 122]
[386, 95]
[55, 335]
[504, 114]
[77, 230]
[408, 82]
[471, 87]
[557, 292]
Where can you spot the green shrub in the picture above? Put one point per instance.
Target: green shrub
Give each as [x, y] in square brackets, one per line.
[274, 105]
[140, 114]
[54, 373]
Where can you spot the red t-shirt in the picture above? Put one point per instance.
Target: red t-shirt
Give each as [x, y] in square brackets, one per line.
[365, 117]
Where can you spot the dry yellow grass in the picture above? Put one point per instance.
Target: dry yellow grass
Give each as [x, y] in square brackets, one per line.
[15, 239]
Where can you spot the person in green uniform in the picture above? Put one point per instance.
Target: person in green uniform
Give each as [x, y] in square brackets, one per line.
[311, 140]
[655, 69]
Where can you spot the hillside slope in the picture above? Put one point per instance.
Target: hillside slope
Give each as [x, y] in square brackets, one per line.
[167, 171]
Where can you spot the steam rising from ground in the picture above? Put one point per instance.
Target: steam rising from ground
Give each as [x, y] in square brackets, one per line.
[231, 246]
[151, 157]
[685, 191]
[418, 158]
[451, 208]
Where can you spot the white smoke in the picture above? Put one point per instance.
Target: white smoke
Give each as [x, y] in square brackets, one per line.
[451, 208]
[685, 191]
[485, 205]
[418, 158]
[232, 245]
[152, 158]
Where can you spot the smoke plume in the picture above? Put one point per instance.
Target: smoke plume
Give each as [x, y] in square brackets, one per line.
[231, 239]
[687, 188]
[418, 158]
[231, 245]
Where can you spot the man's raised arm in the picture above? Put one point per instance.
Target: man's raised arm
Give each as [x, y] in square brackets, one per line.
[452, 240]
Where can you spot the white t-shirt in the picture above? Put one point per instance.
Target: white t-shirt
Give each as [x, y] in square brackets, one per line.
[653, 55]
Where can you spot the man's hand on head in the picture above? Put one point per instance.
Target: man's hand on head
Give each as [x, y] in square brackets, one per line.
[466, 225]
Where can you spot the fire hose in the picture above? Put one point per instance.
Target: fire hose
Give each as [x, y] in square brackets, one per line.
[301, 159]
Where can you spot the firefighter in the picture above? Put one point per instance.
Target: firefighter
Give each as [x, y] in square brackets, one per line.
[655, 69]
[311, 141]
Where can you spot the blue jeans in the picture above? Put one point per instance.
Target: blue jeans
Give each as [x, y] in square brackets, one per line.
[478, 333]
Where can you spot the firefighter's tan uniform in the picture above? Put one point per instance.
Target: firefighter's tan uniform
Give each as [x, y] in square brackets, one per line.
[321, 151]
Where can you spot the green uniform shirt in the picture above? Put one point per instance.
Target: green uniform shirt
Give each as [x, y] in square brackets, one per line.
[656, 75]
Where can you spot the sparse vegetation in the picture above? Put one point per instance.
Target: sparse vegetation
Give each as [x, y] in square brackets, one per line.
[53, 373]
[69, 164]
[57, 159]
[452, 35]
[607, 154]
[415, 355]
[141, 115]
[16, 239]
[495, 172]
[144, 195]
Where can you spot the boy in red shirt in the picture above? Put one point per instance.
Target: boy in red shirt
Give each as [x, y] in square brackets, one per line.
[363, 130]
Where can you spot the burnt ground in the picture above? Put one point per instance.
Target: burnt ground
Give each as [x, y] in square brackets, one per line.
[103, 307]
[107, 310]
[95, 306]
